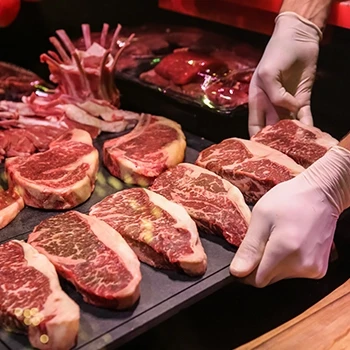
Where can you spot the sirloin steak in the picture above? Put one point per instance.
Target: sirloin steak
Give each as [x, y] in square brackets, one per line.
[93, 256]
[252, 167]
[305, 144]
[155, 145]
[32, 301]
[214, 204]
[160, 232]
[60, 178]
[11, 203]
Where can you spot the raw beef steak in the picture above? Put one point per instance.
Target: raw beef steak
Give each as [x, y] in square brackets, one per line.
[155, 145]
[60, 178]
[160, 232]
[251, 166]
[11, 203]
[305, 144]
[214, 204]
[93, 256]
[32, 301]
[183, 66]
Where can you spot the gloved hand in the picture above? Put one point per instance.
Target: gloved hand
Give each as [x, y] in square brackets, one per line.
[292, 226]
[282, 83]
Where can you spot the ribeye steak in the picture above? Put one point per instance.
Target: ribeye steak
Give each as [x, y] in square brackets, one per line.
[155, 145]
[252, 167]
[214, 204]
[93, 256]
[11, 203]
[305, 144]
[60, 178]
[32, 301]
[160, 232]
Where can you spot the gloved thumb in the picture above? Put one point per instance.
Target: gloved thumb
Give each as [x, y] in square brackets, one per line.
[305, 115]
[246, 259]
[250, 252]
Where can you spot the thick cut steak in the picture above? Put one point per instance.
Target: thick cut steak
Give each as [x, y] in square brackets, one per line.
[60, 178]
[155, 145]
[93, 256]
[252, 167]
[305, 144]
[32, 301]
[11, 203]
[214, 204]
[160, 232]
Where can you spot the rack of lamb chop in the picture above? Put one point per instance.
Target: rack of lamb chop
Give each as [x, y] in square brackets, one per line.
[85, 97]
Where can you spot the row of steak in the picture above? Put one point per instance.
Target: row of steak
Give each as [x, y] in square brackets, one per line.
[99, 253]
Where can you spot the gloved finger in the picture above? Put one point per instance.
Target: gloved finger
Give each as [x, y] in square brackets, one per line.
[275, 263]
[257, 103]
[278, 95]
[252, 248]
[305, 116]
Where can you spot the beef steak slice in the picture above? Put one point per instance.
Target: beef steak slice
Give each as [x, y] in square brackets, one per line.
[32, 301]
[160, 232]
[155, 145]
[214, 204]
[60, 178]
[11, 203]
[252, 167]
[93, 256]
[305, 144]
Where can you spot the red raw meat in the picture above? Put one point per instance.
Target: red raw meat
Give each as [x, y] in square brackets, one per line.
[60, 178]
[29, 282]
[155, 145]
[93, 256]
[214, 204]
[160, 232]
[182, 67]
[305, 144]
[252, 167]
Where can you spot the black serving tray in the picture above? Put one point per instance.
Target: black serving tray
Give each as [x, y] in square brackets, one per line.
[163, 293]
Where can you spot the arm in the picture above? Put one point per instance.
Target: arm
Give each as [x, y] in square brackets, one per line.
[292, 227]
[282, 83]
[315, 11]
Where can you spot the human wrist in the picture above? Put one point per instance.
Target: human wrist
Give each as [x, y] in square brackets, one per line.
[331, 174]
[299, 23]
[316, 11]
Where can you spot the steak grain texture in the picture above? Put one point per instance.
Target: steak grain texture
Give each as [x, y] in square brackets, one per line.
[60, 178]
[252, 167]
[32, 301]
[214, 204]
[305, 144]
[92, 256]
[11, 203]
[155, 145]
[160, 232]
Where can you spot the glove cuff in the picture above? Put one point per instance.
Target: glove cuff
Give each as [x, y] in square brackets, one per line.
[303, 20]
[331, 174]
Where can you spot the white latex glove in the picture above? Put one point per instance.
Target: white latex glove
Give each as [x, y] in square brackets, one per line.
[292, 226]
[282, 83]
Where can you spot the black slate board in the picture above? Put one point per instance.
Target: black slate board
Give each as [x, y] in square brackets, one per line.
[162, 293]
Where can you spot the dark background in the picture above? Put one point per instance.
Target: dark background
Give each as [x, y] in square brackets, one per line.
[237, 313]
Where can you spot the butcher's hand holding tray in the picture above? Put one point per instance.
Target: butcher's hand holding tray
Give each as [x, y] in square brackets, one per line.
[292, 226]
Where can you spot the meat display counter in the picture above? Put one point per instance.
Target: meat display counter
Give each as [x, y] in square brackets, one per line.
[213, 312]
